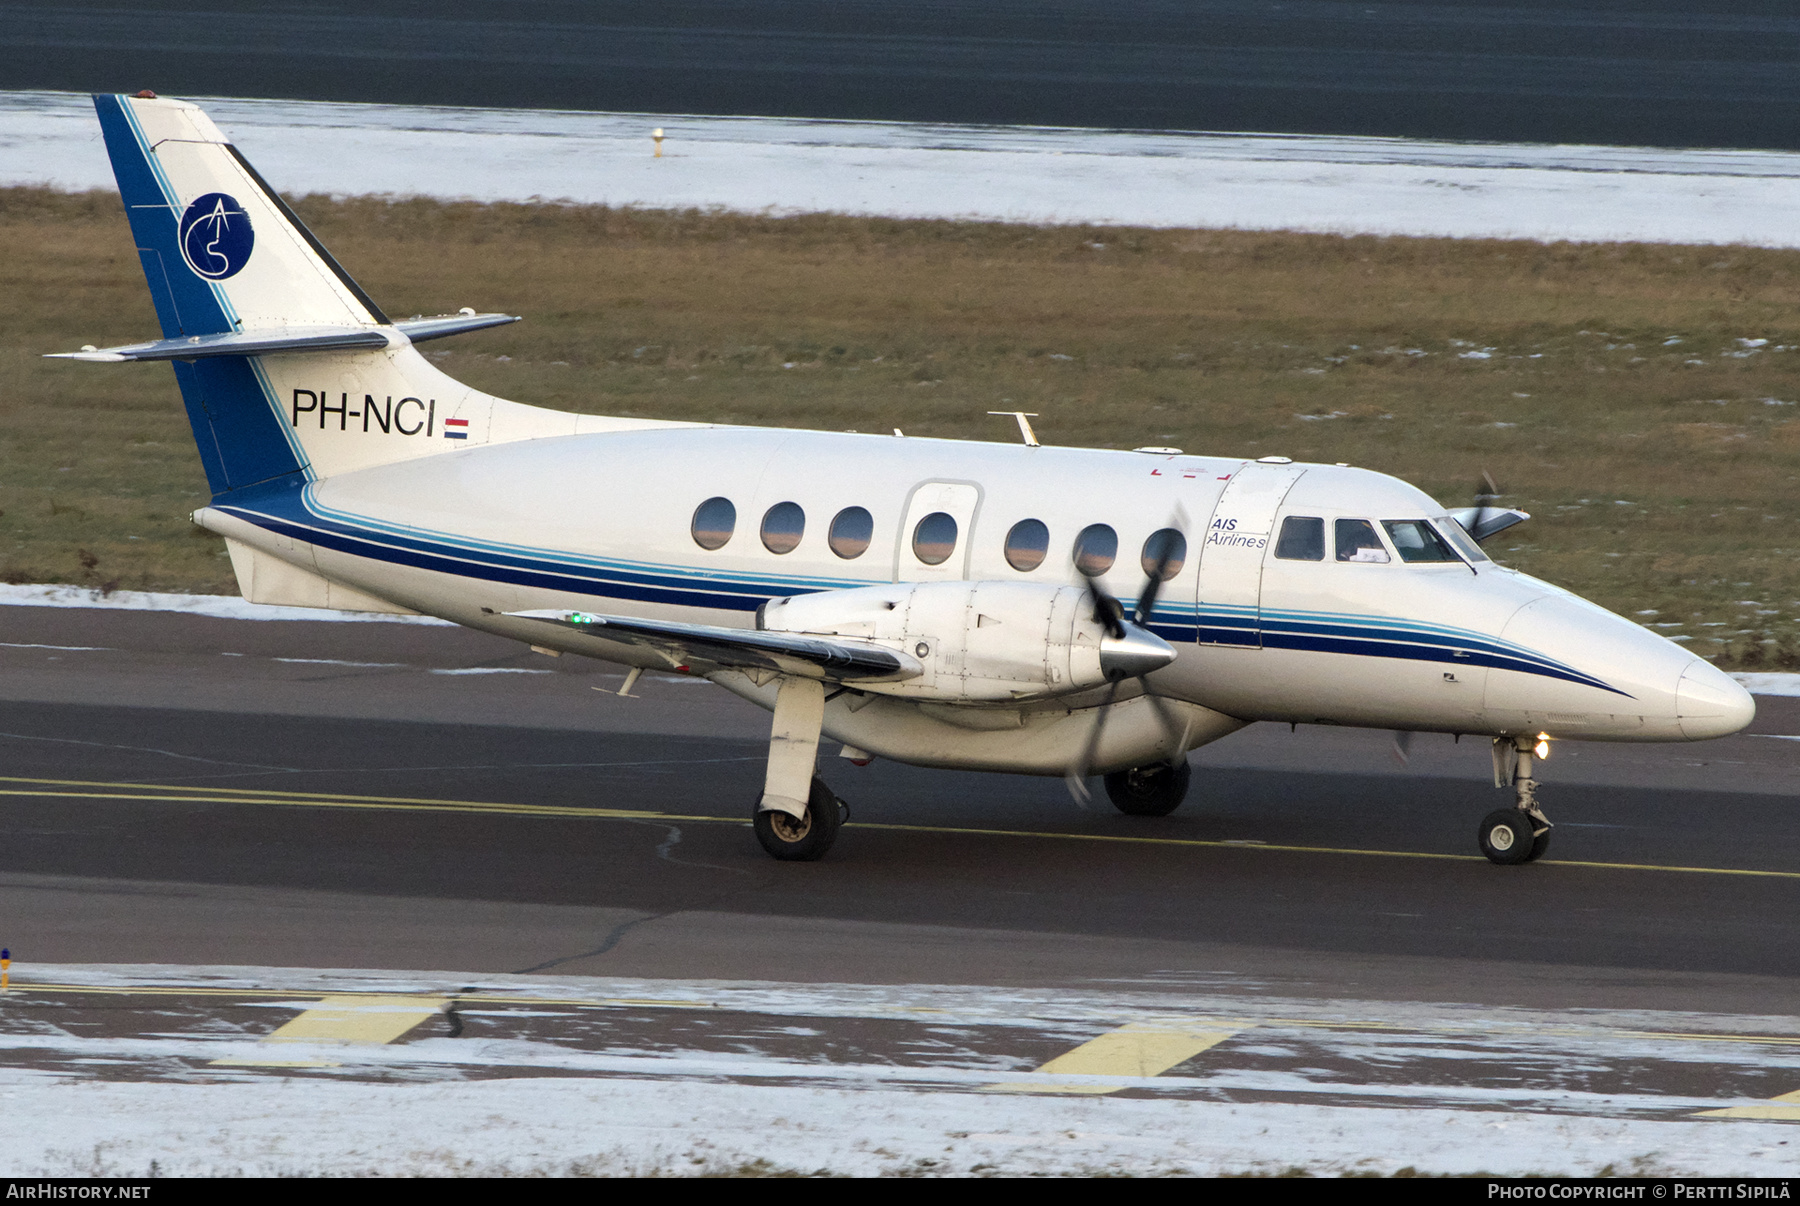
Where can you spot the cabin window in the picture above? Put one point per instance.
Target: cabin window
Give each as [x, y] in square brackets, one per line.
[934, 539]
[1460, 540]
[714, 521]
[1164, 554]
[1357, 541]
[850, 532]
[1095, 549]
[1415, 540]
[783, 526]
[1027, 545]
[1302, 539]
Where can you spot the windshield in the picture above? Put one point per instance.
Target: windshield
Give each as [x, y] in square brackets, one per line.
[1459, 537]
[1415, 540]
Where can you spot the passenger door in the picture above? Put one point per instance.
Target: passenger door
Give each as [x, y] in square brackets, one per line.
[1232, 551]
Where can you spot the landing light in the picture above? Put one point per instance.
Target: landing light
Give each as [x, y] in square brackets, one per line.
[1542, 748]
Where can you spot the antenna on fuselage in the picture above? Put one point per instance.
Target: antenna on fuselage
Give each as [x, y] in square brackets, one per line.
[1029, 436]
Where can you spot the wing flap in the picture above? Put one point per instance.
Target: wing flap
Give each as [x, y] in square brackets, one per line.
[741, 649]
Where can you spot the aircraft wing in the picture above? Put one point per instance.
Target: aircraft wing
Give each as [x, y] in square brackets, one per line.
[740, 648]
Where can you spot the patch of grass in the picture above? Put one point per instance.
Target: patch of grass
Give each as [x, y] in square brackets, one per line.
[1640, 400]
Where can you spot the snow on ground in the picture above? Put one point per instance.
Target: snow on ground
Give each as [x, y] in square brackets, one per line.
[224, 607]
[642, 1127]
[1031, 174]
[662, 1112]
[1770, 684]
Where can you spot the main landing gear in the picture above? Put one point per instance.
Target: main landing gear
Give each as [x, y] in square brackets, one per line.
[1149, 791]
[802, 839]
[1519, 834]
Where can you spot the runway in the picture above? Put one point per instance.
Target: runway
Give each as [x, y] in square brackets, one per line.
[1637, 74]
[451, 800]
[196, 811]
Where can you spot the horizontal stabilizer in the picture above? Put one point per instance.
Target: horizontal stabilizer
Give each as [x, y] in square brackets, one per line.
[420, 329]
[290, 339]
[741, 648]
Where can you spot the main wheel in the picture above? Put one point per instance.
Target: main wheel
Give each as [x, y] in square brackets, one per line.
[802, 839]
[1506, 836]
[1149, 791]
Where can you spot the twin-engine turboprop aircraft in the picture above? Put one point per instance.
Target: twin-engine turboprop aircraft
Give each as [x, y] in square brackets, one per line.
[1038, 610]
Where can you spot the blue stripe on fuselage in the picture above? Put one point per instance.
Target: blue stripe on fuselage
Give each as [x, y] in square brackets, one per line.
[288, 509]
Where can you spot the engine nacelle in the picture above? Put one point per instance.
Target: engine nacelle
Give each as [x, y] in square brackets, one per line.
[980, 642]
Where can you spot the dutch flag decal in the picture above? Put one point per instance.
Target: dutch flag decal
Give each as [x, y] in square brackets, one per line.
[461, 425]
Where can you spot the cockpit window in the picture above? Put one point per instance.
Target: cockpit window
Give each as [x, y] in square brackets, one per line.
[1416, 540]
[1460, 540]
[1357, 541]
[1302, 539]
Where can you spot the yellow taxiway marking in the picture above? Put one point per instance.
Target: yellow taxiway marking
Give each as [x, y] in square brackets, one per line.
[194, 795]
[1785, 1108]
[1137, 1050]
[363, 1018]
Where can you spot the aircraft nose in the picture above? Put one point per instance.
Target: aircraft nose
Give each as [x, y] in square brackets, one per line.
[1709, 703]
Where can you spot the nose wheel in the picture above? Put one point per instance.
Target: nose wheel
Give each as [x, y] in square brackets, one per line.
[1509, 836]
[1520, 834]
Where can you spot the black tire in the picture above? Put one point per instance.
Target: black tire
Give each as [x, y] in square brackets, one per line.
[1149, 791]
[1539, 844]
[1506, 837]
[807, 839]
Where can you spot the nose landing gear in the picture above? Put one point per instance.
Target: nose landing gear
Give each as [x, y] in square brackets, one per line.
[1519, 834]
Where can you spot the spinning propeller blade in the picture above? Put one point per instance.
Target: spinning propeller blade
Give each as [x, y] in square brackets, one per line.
[1487, 493]
[1403, 746]
[1139, 652]
[1487, 519]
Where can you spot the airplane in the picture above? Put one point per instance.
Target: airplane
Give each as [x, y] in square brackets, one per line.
[1008, 607]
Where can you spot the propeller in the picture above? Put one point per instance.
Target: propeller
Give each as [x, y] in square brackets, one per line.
[1487, 493]
[1403, 739]
[1129, 651]
[1485, 519]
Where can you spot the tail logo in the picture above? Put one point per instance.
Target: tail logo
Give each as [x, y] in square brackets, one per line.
[216, 237]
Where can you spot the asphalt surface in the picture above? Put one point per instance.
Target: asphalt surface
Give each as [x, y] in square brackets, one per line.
[199, 791]
[1637, 72]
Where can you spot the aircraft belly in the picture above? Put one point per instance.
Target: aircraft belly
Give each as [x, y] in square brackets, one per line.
[1042, 745]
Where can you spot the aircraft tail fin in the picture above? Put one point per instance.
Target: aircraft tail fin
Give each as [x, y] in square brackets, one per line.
[288, 369]
[221, 250]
